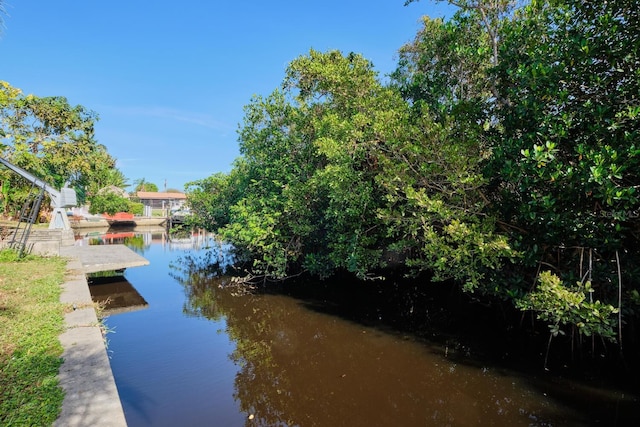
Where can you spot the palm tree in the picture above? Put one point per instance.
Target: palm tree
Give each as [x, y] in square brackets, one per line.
[144, 185]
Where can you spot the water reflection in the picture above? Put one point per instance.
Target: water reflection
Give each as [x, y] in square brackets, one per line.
[302, 367]
[206, 353]
[171, 369]
[114, 294]
[141, 238]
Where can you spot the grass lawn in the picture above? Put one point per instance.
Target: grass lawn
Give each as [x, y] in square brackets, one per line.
[31, 319]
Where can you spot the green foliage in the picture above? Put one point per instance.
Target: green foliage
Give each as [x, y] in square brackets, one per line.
[9, 255]
[559, 305]
[549, 117]
[507, 140]
[52, 140]
[568, 149]
[109, 203]
[143, 185]
[102, 174]
[135, 208]
[564, 164]
[433, 174]
[310, 196]
[337, 171]
[210, 199]
[445, 68]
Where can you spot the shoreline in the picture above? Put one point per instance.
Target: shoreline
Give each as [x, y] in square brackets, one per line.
[91, 396]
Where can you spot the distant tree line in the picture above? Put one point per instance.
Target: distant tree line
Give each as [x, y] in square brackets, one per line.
[54, 141]
[502, 155]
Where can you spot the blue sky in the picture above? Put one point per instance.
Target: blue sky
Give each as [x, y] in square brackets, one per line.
[169, 80]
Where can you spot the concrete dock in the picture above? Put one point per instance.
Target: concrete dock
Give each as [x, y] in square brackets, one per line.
[95, 258]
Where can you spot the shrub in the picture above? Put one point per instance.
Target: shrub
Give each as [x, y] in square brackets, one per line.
[108, 203]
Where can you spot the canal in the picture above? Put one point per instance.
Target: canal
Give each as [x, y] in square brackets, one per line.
[189, 348]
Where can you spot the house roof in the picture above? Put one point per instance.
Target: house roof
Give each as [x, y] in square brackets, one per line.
[153, 195]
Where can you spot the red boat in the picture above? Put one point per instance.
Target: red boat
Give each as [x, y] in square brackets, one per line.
[120, 218]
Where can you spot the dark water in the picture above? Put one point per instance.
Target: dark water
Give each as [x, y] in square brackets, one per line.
[190, 349]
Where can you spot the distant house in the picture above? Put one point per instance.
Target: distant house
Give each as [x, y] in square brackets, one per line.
[156, 200]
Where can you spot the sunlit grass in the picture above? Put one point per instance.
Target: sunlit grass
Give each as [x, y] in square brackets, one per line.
[31, 319]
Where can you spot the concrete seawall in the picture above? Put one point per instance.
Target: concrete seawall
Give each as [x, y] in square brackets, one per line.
[91, 397]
